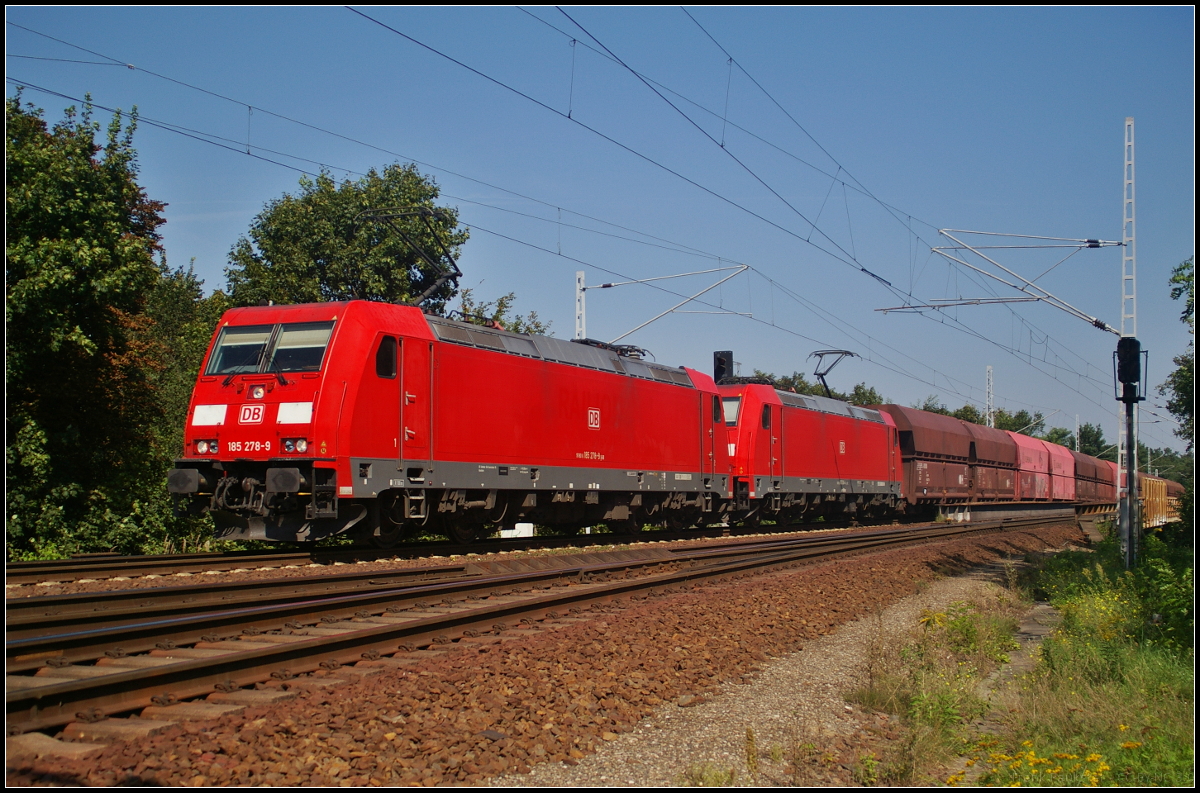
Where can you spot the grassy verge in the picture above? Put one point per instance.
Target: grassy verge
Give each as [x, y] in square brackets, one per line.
[1111, 700]
[933, 682]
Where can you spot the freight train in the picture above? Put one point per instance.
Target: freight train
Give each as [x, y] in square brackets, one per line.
[377, 419]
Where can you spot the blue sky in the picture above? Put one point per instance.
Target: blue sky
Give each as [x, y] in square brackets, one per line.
[879, 126]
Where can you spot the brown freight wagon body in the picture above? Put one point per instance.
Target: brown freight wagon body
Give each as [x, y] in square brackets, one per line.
[947, 460]
[1112, 481]
[1062, 472]
[1092, 479]
[1033, 468]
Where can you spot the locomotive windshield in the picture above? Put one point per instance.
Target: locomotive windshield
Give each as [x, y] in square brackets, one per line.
[300, 347]
[732, 404]
[293, 347]
[240, 350]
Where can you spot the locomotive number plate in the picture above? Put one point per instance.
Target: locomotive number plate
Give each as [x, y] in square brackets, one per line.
[249, 446]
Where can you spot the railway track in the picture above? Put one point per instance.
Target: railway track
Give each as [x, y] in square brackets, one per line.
[106, 566]
[67, 661]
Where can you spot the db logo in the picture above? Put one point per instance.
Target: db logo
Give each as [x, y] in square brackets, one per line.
[251, 414]
[593, 418]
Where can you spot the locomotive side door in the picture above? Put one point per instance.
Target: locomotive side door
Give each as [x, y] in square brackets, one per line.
[772, 419]
[777, 444]
[712, 423]
[416, 409]
[375, 416]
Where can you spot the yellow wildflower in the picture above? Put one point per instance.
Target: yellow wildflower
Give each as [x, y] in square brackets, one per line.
[1131, 744]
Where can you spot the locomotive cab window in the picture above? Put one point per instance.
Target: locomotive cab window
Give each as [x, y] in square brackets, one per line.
[718, 413]
[385, 357]
[766, 417]
[731, 405]
[240, 350]
[301, 347]
[293, 347]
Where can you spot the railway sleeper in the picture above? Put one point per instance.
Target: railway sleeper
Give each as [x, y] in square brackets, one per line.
[436, 639]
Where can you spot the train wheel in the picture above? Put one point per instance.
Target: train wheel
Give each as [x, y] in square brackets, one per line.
[625, 528]
[388, 535]
[464, 533]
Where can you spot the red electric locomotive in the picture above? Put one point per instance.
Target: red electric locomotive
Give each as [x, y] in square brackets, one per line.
[798, 457]
[312, 420]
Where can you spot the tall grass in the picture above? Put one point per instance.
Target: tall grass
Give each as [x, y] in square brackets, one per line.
[1112, 698]
[932, 681]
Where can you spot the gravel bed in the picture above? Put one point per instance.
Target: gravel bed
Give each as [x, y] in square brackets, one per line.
[795, 709]
[549, 700]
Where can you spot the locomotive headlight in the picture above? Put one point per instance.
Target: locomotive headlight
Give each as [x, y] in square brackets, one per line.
[202, 447]
[257, 392]
[302, 445]
[289, 445]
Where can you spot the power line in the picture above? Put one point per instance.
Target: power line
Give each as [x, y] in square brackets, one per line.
[559, 113]
[741, 164]
[206, 138]
[841, 168]
[185, 131]
[209, 138]
[619, 144]
[115, 61]
[161, 125]
[860, 187]
[797, 334]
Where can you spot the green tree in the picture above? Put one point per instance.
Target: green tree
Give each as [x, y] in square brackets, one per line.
[1180, 390]
[1167, 463]
[864, 395]
[1060, 435]
[316, 246]
[498, 312]
[1092, 442]
[1180, 387]
[970, 413]
[1021, 421]
[183, 321]
[795, 382]
[932, 404]
[79, 265]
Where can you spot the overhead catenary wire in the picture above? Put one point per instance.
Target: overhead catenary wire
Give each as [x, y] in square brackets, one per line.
[817, 143]
[850, 258]
[209, 138]
[906, 296]
[954, 322]
[323, 165]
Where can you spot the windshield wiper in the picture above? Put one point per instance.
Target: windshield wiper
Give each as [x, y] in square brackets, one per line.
[278, 372]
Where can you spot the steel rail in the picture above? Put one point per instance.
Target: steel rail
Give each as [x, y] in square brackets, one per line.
[55, 612]
[56, 704]
[112, 565]
[34, 617]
